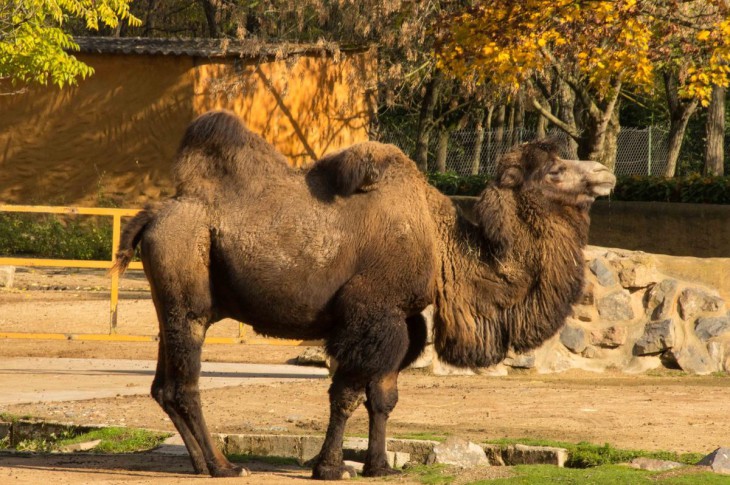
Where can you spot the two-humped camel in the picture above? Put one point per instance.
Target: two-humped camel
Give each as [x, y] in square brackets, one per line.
[351, 251]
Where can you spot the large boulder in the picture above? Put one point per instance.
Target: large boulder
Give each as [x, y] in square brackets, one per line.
[694, 301]
[718, 460]
[708, 327]
[660, 299]
[616, 306]
[458, 452]
[657, 337]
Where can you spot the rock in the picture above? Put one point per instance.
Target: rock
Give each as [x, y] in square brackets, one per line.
[441, 368]
[425, 359]
[584, 313]
[718, 460]
[574, 338]
[616, 306]
[534, 455]
[418, 450]
[494, 454]
[693, 357]
[708, 327]
[590, 352]
[7, 276]
[719, 350]
[603, 271]
[355, 449]
[521, 361]
[610, 337]
[356, 465]
[660, 299]
[637, 271]
[587, 297]
[657, 337]
[86, 446]
[314, 356]
[693, 301]
[654, 465]
[5, 428]
[458, 452]
[174, 445]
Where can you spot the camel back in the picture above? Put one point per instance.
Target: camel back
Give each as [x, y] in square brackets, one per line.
[218, 150]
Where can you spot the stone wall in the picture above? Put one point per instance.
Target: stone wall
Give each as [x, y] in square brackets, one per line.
[633, 317]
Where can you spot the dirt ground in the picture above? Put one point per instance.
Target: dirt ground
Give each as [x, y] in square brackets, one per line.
[658, 411]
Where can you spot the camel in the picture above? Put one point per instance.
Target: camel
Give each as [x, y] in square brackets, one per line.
[351, 251]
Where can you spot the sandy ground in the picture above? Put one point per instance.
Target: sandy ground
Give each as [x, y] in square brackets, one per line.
[659, 411]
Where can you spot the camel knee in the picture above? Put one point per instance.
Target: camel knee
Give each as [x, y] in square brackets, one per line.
[382, 396]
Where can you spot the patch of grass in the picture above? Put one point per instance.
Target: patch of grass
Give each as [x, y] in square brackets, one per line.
[117, 440]
[604, 475]
[586, 455]
[431, 474]
[272, 460]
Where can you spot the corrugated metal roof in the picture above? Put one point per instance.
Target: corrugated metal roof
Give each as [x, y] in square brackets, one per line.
[198, 47]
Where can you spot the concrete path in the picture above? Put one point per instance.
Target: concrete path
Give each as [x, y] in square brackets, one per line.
[32, 379]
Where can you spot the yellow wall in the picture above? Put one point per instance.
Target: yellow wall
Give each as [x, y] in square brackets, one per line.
[114, 135]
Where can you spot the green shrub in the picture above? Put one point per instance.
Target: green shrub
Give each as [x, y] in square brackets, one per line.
[52, 236]
[451, 183]
[692, 188]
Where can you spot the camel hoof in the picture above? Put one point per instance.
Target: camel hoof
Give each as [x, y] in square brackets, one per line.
[383, 471]
[337, 472]
[232, 471]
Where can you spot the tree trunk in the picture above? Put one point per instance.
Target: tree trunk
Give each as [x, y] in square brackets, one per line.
[211, 16]
[566, 112]
[149, 22]
[425, 121]
[476, 155]
[598, 141]
[442, 149]
[519, 124]
[715, 148]
[679, 114]
[499, 132]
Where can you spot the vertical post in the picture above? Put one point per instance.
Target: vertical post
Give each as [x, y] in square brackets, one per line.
[116, 232]
[241, 332]
[649, 164]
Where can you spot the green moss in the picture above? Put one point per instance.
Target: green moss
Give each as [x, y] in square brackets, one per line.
[117, 440]
[586, 455]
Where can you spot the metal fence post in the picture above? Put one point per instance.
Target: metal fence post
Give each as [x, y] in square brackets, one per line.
[116, 232]
[649, 160]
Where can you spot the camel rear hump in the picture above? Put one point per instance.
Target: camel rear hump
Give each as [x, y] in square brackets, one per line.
[365, 166]
[217, 149]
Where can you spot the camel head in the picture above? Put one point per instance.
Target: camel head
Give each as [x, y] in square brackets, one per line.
[538, 166]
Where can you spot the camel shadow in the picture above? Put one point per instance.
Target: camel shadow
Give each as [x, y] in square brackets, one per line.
[143, 466]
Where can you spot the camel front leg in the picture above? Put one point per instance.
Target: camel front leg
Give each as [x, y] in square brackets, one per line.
[346, 394]
[382, 396]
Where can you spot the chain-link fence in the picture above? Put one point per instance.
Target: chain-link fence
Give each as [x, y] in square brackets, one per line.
[641, 151]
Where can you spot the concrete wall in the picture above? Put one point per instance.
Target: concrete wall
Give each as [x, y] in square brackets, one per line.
[115, 134]
[699, 230]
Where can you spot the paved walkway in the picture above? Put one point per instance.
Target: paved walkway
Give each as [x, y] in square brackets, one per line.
[32, 379]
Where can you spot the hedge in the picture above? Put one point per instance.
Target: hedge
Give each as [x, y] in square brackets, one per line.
[690, 189]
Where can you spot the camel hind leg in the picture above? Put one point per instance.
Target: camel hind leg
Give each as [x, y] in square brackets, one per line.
[181, 294]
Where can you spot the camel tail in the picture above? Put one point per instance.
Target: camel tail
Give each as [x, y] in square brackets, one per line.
[130, 238]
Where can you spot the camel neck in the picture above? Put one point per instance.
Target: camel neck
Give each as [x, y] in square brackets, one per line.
[487, 305]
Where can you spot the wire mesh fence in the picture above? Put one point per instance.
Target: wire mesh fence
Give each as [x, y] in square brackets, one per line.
[641, 151]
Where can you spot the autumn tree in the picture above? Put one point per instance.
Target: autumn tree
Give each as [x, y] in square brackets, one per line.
[598, 49]
[34, 45]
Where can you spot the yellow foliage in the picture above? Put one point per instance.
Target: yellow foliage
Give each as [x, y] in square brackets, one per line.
[505, 43]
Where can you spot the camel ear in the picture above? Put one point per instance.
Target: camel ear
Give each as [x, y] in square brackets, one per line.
[494, 213]
[511, 177]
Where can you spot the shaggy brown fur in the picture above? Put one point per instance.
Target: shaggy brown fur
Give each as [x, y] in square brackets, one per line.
[351, 252]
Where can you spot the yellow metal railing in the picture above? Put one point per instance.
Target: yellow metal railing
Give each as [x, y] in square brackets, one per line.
[116, 215]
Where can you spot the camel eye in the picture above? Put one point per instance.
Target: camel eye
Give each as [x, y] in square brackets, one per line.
[557, 171]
